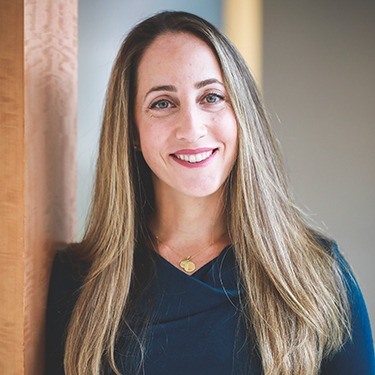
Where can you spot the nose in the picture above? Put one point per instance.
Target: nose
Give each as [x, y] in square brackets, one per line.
[191, 125]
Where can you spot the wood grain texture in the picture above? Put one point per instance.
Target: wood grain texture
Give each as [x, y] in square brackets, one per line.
[243, 23]
[11, 187]
[50, 133]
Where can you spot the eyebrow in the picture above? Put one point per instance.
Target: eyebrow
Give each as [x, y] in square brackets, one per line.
[172, 88]
[207, 82]
[161, 88]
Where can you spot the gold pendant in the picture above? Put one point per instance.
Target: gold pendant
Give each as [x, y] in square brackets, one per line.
[187, 265]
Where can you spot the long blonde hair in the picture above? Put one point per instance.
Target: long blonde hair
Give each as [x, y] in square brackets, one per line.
[295, 301]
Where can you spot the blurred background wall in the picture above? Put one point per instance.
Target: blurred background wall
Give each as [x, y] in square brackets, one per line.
[318, 83]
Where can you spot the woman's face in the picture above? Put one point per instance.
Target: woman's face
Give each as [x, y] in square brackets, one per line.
[186, 126]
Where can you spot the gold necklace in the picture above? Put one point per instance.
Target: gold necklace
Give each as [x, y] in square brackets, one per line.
[186, 263]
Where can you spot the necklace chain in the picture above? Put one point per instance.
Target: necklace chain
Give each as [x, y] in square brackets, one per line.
[185, 263]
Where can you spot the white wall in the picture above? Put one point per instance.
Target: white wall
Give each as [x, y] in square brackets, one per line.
[101, 27]
[319, 82]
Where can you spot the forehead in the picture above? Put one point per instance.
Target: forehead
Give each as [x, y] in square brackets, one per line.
[169, 40]
[175, 54]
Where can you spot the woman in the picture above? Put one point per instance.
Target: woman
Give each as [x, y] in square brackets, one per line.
[195, 259]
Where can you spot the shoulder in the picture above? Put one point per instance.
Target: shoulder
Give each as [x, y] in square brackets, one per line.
[342, 265]
[67, 273]
[353, 290]
[357, 354]
[354, 294]
[66, 280]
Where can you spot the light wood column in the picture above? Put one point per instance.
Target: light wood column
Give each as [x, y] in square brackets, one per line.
[243, 24]
[11, 187]
[38, 94]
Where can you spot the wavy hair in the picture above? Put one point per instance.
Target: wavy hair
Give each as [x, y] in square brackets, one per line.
[295, 301]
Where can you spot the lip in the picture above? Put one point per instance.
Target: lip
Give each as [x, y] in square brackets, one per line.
[198, 164]
[193, 151]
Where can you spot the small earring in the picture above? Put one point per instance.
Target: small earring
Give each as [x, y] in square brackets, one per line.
[136, 148]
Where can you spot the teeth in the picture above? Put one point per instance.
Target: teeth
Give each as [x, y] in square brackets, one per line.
[196, 158]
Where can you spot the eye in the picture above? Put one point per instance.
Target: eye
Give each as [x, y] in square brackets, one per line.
[161, 104]
[213, 98]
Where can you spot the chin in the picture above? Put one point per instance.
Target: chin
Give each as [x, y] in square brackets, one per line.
[201, 191]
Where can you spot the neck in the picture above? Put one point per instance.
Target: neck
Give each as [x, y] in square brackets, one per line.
[185, 222]
[189, 231]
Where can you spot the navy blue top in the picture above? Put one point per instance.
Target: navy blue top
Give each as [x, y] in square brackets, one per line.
[195, 326]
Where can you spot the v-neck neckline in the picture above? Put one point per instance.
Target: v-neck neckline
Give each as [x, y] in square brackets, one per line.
[200, 270]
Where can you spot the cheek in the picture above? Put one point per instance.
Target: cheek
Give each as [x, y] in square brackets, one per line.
[229, 131]
[227, 127]
[149, 156]
[146, 133]
[152, 144]
[148, 147]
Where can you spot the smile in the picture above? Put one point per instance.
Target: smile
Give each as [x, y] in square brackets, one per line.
[195, 158]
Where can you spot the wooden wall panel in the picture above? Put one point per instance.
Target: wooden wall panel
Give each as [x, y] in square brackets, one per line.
[11, 187]
[38, 95]
[50, 133]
